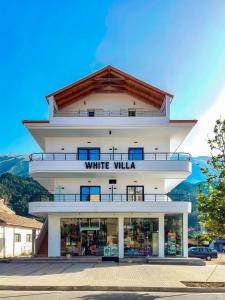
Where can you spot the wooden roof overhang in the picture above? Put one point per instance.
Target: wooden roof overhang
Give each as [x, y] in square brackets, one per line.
[109, 80]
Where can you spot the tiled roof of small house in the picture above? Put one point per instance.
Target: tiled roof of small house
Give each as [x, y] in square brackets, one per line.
[8, 217]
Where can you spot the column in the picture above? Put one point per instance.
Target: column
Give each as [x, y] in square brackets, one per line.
[53, 236]
[185, 234]
[121, 236]
[161, 236]
[33, 242]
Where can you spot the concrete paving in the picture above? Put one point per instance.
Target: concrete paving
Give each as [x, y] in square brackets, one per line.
[106, 274]
[106, 296]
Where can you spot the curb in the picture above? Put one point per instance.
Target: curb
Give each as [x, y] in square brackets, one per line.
[111, 288]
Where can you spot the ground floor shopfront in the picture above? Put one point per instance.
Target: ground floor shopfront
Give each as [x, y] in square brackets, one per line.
[117, 235]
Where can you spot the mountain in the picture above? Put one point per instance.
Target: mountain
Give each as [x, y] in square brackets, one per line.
[18, 192]
[15, 164]
[198, 163]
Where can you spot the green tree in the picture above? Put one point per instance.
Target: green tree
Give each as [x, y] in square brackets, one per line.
[211, 196]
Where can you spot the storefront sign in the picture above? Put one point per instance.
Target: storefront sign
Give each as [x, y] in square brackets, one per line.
[109, 165]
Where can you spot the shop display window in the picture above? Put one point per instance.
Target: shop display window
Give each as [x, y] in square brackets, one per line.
[89, 236]
[141, 237]
[173, 235]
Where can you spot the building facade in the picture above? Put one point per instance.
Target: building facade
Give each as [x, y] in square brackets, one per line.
[109, 161]
[17, 233]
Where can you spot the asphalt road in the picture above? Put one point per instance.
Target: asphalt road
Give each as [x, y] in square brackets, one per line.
[15, 295]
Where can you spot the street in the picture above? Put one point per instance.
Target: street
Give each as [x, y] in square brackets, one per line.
[48, 295]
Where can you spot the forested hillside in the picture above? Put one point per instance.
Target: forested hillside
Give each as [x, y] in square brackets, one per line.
[18, 192]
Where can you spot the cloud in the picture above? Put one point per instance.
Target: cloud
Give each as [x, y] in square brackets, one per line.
[196, 143]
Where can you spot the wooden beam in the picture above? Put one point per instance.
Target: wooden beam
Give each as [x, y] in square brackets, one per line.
[145, 97]
[75, 95]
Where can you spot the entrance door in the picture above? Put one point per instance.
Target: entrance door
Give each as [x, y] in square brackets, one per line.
[135, 193]
[88, 242]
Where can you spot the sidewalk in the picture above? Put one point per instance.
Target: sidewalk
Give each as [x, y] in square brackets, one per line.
[106, 274]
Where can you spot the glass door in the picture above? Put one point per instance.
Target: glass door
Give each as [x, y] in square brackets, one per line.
[88, 153]
[90, 193]
[135, 153]
[135, 193]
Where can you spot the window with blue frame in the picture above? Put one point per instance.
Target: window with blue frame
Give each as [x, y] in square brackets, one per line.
[90, 193]
[88, 153]
[135, 153]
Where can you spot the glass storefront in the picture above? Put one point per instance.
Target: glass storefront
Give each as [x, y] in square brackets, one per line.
[99, 236]
[141, 237]
[89, 236]
[173, 235]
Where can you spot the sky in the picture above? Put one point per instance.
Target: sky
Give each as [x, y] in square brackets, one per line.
[175, 45]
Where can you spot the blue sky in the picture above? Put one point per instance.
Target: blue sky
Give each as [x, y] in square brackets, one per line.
[178, 46]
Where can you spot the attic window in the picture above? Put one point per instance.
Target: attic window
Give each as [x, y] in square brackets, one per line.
[131, 112]
[91, 113]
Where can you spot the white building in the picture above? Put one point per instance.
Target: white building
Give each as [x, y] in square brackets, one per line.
[16, 233]
[110, 159]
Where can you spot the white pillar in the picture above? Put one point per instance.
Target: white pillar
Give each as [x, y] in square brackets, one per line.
[121, 236]
[33, 242]
[161, 236]
[185, 234]
[53, 236]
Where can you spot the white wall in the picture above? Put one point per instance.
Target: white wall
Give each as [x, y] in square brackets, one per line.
[70, 144]
[108, 101]
[13, 248]
[72, 186]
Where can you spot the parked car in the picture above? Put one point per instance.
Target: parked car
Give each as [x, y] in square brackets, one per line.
[202, 252]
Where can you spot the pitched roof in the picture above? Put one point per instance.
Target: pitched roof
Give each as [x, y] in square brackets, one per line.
[109, 80]
[8, 217]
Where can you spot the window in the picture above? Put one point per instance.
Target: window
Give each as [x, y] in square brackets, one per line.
[174, 235]
[17, 237]
[28, 238]
[135, 193]
[85, 236]
[88, 153]
[90, 193]
[141, 236]
[91, 113]
[135, 153]
[131, 113]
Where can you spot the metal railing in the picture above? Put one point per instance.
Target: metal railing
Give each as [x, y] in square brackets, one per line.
[103, 113]
[151, 156]
[111, 197]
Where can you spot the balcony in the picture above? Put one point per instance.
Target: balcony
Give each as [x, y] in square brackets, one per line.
[108, 203]
[110, 197]
[153, 156]
[113, 117]
[68, 165]
[104, 113]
